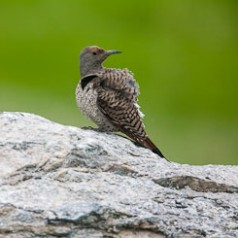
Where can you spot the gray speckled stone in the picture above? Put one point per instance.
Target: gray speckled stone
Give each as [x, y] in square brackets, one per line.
[62, 181]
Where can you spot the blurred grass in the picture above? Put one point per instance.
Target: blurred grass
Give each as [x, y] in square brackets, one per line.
[183, 54]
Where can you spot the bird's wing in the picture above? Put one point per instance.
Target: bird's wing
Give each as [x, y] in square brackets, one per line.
[117, 97]
[122, 112]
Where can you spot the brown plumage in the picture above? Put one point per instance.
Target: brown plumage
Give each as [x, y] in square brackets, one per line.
[109, 97]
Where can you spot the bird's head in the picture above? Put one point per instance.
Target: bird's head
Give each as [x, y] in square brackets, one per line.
[92, 57]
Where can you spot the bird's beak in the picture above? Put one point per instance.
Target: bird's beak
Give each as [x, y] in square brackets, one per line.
[111, 52]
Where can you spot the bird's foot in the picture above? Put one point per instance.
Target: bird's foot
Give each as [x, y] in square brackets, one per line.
[88, 128]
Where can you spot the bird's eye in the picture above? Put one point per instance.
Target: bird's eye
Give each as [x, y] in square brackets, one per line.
[94, 53]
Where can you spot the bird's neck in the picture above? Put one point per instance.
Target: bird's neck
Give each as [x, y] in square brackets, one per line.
[86, 69]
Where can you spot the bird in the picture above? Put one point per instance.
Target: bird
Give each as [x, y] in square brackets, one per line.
[108, 96]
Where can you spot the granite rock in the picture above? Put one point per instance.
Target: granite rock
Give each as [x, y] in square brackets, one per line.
[63, 181]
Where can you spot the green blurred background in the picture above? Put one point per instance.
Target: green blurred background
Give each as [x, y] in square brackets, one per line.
[183, 54]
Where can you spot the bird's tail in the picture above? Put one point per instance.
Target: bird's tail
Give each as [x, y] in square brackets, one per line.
[143, 141]
[149, 144]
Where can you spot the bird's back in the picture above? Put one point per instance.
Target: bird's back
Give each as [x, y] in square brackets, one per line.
[119, 80]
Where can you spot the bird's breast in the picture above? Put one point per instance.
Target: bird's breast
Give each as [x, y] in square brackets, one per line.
[87, 102]
[86, 99]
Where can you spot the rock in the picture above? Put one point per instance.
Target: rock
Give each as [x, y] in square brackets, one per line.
[63, 181]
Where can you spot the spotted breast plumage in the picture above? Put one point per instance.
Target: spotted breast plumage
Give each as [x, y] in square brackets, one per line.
[108, 97]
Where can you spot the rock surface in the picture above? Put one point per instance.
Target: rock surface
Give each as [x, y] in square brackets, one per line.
[63, 181]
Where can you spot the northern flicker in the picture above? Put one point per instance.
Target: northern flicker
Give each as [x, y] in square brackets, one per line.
[108, 96]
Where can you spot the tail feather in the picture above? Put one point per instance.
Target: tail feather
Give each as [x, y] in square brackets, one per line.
[149, 144]
[143, 141]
